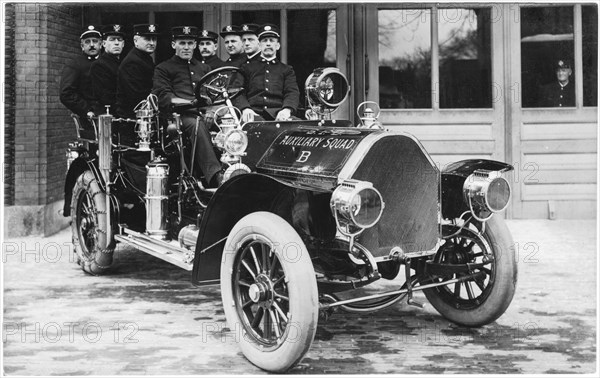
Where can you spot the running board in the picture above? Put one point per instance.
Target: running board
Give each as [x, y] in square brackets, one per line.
[164, 250]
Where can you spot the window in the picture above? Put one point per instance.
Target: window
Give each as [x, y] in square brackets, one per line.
[590, 55]
[404, 58]
[463, 38]
[311, 42]
[465, 58]
[546, 40]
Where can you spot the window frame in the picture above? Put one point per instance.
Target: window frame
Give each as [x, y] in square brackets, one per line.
[495, 10]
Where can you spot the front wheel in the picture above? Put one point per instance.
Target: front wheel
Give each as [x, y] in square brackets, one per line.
[481, 300]
[269, 291]
[91, 241]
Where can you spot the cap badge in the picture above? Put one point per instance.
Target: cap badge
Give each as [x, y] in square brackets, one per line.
[117, 28]
[151, 28]
[561, 63]
[245, 28]
[228, 28]
[205, 33]
[186, 30]
[267, 28]
[91, 27]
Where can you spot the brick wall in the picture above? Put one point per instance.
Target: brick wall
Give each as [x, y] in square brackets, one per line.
[46, 36]
[9, 106]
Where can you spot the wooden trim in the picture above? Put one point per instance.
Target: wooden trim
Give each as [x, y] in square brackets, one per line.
[435, 60]
[578, 61]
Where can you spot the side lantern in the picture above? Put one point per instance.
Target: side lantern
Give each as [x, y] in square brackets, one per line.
[486, 192]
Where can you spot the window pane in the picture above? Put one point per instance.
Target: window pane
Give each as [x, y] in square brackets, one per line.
[404, 58]
[590, 55]
[311, 42]
[260, 17]
[465, 58]
[546, 39]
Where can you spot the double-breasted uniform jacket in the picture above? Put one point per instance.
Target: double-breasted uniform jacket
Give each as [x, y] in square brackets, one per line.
[556, 95]
[236, 60]
[76, 85]
[270, 86]
[176, 77]
[104, 73]
[213, 61]
[134, 81]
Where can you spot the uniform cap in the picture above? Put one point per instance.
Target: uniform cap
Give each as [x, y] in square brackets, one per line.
[250, 28]
[562, 64]
[90, 31]
[268, 30]
[208, 35]
[113, 29]
[145, 29]
[184, 32]
[230, 29]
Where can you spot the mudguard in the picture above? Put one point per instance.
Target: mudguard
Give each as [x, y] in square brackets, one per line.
[78, 166]
[453, 179]
[236, 198]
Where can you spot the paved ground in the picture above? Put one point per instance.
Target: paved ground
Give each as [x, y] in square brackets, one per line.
[146, 318]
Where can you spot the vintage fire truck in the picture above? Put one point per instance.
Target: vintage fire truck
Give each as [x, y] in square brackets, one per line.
[308, 209]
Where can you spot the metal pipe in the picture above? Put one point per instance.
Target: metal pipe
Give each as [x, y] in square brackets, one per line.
[401, 291]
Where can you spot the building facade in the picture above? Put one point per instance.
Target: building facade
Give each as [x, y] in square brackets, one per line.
[464, 78]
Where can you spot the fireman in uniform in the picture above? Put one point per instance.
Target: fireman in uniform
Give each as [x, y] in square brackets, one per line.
[207, 45]
[174, 82]
[561, 92]
[271, 88]
[134, 77]
[75, 82]
[232, 40]
[250, 41]
[104, 69]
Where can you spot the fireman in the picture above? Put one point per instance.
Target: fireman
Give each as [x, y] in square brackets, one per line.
[104, 69]
[207, 45]
[75, 82]
[271, 88]
[174, 82]
[232, 40]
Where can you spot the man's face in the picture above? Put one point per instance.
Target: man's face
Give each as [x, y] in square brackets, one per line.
[269, 46]
[184, 48]
[233, 44]
[251, 44]
[91, 46]
[113, 44]
[562, 74]
[145, 43]
[207, 47]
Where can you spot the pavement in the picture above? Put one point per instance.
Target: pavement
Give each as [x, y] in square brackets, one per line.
[145, 318]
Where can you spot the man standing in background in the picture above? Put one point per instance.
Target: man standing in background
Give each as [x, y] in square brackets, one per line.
[75, 82]
[134, 77]
[104, 70]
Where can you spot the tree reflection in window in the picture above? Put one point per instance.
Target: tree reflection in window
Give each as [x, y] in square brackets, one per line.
[404, 58]
[465, 58]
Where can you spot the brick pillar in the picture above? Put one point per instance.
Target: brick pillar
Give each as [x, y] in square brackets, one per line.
[9, 106]
[45, 37]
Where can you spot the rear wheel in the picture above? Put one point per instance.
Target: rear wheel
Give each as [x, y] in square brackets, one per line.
[481, 300]
[269, 291]
[90, 237]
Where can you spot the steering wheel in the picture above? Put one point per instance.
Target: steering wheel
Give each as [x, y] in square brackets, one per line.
[219, 85]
